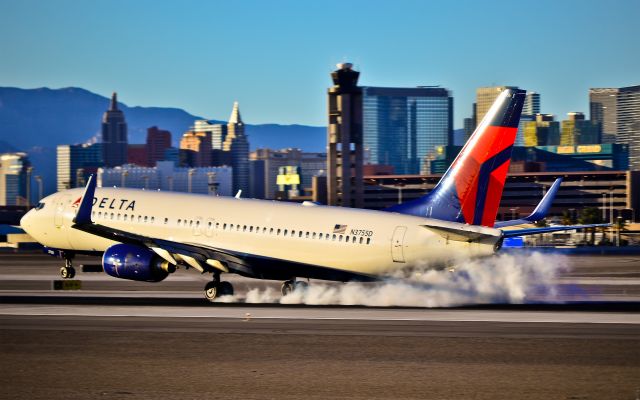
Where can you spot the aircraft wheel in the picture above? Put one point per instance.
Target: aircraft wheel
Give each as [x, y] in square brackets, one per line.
[67, 272]
[211, 291]
[287, 287]
[225, 289]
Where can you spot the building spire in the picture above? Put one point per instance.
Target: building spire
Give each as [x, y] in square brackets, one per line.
[114, 102]
[235, 114]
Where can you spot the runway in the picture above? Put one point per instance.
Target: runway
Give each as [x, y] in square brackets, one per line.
[117, 339]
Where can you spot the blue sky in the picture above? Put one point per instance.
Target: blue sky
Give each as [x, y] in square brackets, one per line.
[275, 56]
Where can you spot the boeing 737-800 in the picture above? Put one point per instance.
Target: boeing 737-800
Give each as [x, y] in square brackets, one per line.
[144, 235]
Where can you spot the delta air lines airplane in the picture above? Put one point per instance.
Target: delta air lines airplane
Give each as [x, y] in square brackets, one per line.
[145, 235]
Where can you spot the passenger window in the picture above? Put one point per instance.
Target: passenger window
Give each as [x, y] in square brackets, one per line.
[346, 239]
[307, 235]
[231, 226]
[99, 214]
[93, 213]
[125, 217]
[361, 239]
[320, 236]
[327, 236]
[217, 225]
[118, 216]
[300, 234]
[285, 232]
[340, 238]
[314, 235]
[334, 237]
[264, 229]
[278, 232]
[197, 224]
[166, 220]
[190, 223]
[271, 231]
[251, 229]
[353, 239]
[368, 240]
[224, 226]
[244, 228]
[145, 219]
[112, 215]
[153, 219]
[237, 228]
[179, 221]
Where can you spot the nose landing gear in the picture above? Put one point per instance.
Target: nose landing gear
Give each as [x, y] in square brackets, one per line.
[289, 286]
[67, 272]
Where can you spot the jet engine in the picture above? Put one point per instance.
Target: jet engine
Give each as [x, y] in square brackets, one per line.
[136, 263]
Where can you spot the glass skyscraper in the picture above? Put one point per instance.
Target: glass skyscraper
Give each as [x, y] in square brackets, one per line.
[404, 127]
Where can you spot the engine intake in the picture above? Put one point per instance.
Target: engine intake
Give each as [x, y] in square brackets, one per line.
[135, 263]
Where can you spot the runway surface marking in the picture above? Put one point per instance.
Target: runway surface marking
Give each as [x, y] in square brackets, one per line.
[301, 313]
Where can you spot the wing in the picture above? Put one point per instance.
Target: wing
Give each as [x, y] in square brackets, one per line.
[541, 210]
[207, 258]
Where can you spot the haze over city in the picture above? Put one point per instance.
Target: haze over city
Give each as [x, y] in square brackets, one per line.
[275, 57]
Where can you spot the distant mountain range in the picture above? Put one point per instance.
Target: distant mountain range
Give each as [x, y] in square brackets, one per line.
[37, 120]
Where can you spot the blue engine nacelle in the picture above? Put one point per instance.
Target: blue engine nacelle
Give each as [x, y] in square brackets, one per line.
[136, 263]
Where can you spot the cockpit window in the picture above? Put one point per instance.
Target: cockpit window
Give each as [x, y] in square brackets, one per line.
[40, 206]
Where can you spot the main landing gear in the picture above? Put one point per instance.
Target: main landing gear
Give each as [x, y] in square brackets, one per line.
[215, 288]
[67, 272]
[291, 285]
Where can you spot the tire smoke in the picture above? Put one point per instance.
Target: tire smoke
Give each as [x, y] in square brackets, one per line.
[501, 279]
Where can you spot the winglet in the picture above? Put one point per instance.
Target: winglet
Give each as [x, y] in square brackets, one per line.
[541, 210]
[239, 194]
[83, 216]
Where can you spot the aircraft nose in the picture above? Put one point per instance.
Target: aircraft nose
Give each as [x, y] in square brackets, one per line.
[25, 221]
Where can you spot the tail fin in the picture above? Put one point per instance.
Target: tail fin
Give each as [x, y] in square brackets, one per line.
[471, 189]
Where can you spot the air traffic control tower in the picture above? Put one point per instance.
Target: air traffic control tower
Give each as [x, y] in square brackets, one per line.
[345, 186]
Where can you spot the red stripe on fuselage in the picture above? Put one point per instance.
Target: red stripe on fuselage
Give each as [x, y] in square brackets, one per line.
[491, 141]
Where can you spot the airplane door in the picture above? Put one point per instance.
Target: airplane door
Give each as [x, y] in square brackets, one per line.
[61, 204]
[397, 244]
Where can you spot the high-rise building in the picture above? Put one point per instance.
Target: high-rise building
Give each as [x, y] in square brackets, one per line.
[114, 135]
[198, 144]
[470, 123]
[531, 104]
[15, 169]
[76, 162]
[237, 144]
[137, 154]
[265, 176]
[217, 131]
[403, 127]
[628, 119]
[485, 96]
[345, 185]
[158, 141]
[603, 107]
[544, 131]
[577, 130]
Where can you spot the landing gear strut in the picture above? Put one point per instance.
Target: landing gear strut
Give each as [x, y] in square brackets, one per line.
[291, 285]
[215, 288]
[67, 272]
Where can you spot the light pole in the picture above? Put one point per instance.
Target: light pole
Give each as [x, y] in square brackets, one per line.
[212, 184]
[170, 179]
[29, 170]
[146, 182]
[123, 178]
[604, 207]
[38, 179]
[190, 177]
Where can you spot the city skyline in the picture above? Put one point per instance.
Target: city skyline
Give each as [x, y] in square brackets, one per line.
[275, 57]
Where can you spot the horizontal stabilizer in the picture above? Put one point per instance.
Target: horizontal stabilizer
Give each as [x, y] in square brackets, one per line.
[547, 229]
[541, 210]
[462, 232]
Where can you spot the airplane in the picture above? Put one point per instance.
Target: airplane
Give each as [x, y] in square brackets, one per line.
[146, 235]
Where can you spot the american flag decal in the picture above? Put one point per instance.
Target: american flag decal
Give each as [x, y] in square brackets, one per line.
[340, 229]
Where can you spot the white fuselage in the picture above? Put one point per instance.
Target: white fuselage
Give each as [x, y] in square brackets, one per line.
[354, 240]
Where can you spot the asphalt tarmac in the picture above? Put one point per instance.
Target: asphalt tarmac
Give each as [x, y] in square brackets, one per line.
[122, 340]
